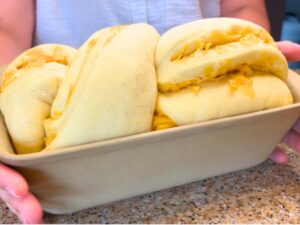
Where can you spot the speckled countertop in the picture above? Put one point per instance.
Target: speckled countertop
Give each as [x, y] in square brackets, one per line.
[267, 193]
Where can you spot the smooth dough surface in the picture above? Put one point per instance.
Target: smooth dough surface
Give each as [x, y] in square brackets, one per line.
[115, 92]
[216, 100]
[29, 86]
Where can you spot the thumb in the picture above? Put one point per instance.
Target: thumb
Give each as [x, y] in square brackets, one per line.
[279, 156]
[27, 208]
[290, 50]
[12, 182]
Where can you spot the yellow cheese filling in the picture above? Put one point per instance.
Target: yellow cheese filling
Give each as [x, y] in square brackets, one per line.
[239, 79]
[114, 31]
[34, 58]
[23, 148]
[195, 84]
[243, 34]
[49, 137]
[242, 82]
[161, 121]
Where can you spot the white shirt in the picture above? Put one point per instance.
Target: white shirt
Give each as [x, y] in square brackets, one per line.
[73, 21]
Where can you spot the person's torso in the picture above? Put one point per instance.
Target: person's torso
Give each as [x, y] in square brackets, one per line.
[73, 21]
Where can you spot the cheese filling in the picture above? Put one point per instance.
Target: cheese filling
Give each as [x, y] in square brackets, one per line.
[34, 58]
[239, 79]
[195, 84]
[161, 121]
[218, 38]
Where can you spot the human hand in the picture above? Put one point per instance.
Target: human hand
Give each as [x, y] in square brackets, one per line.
[14, 192]
[292, 53]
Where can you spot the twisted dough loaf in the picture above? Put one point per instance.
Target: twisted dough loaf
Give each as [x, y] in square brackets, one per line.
[206, 69]
[109, 90]
[216, 68]
[29, 85]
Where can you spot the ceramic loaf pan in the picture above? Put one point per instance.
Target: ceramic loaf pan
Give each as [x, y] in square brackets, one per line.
[79, 177]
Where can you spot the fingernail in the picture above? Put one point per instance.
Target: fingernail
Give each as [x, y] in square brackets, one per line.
[279, 158]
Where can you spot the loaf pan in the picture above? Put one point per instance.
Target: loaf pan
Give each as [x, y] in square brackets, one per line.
[74, 178]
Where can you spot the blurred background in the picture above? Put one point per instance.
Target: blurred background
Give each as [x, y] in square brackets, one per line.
[285, 21]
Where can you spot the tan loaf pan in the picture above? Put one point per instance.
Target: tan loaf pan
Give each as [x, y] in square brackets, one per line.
[79, 177]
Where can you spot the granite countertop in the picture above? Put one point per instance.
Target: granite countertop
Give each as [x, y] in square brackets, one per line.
[267, 193]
